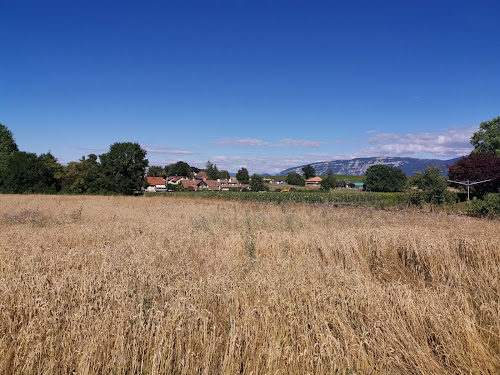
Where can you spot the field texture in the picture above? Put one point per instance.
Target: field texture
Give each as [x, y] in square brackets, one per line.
[116, 285]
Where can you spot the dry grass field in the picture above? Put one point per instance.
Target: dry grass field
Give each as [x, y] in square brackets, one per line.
[123, 285]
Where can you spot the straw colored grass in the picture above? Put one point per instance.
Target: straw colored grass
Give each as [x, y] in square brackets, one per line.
[123, 285]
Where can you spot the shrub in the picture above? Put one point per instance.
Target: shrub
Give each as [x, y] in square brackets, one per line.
[490, 205]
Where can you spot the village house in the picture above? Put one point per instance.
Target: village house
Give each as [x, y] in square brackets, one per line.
[190, 184]
[277, 181]
[211, 185]
[314, 182]
[202, 176]
[156, 184]
[231, 184]
[175, 180]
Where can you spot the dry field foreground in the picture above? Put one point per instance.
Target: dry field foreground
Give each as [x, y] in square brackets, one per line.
[117, 285]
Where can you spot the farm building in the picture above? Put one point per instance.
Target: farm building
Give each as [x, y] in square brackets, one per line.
[314, 182]
[277, 181]
[355, 185]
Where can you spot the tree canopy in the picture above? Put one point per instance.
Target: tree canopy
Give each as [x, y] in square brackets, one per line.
[156, 171]
[431, 186]
[257, 183]
[7, 146]
[294, 178]
[212, 171]
[242, 176]
[487, 138]
[179, 169]
[7, 142]
[383, 178]
[125, 165]
[86, 177]
[25, 172]
[478, 166]
[309, 171]
[329, 182]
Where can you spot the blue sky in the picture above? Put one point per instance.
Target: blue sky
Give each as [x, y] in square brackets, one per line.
[262, 84]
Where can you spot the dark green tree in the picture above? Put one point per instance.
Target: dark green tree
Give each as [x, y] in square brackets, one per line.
[295, 179]
[125, 165]
[431, 186]
[329, 182]
[54, 169]
[242, 176]
[155, 171]
[86, 177]
[257, 183]
[487, 138]
[7, 146]
[179, 169]
[383, 178]
[25, 172]
[212, 171]
[309, 171]
[224, 175]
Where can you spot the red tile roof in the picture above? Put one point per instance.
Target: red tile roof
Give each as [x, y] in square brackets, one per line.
[315, 179]
[202, 175]
[153, 181]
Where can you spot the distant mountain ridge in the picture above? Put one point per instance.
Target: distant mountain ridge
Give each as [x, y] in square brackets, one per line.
[358, 167]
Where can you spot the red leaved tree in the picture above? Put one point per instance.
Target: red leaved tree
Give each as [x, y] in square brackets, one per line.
[478, 166]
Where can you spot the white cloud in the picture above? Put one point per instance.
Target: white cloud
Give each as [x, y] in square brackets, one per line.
[166, 150]
[260, 143]
[449, 142]
[271, 164]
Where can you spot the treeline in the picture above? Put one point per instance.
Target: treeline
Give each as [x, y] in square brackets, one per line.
[120, 171]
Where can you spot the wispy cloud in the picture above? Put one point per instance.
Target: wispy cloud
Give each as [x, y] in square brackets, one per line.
[449, 142]
[271, 163]
[252, 142]
[166, 150]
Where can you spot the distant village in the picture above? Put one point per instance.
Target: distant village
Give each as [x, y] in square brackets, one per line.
[201, 181]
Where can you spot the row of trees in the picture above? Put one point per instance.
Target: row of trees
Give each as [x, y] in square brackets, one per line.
[121, 170]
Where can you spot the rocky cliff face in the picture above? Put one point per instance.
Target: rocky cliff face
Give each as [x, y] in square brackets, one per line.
[358, 167]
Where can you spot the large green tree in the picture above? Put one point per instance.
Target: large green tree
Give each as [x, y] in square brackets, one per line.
[155, 171]
[487, 138]
[86, 177]
[309, 171]
[125, 165]
[180, 168]
[7, 146]
[329, 182]
[383, 178]
[224, 175]
[294, 179]
[7, 143]
[257, 183]
[25, 172]
[431, 186]
[212, 170]
[242, 176]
